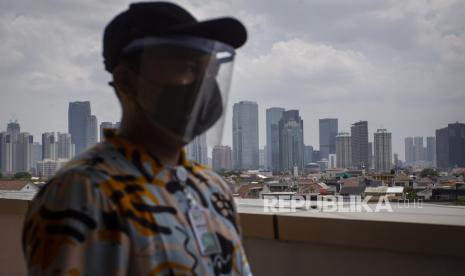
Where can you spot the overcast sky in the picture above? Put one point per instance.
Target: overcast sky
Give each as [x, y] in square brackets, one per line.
[398, 64]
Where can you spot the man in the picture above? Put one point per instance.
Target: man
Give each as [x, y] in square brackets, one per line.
[134, 205]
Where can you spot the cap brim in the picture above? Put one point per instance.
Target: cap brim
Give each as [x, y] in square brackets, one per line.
[227, 30]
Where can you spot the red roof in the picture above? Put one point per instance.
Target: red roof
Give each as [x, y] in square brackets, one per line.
[12, 185]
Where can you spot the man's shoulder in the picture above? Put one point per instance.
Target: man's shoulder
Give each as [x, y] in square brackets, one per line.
[211, 176]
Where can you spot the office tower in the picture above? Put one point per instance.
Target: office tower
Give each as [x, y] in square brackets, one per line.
[222, 158]
[36, 154]
[343, 150]
[13, 129]
[371, 157]
[273, 115]
[431, 150]
[396, 160]
[245, 135]
[8, 158]
[261, 158]
[328, 131]
[359, 140]
[450, 146]
[49, 146]
[409, 150]
[316, 156]
[308, 154]
[24, 152]
[107, 125]
[332, 161]
[65, 148]
[78, 113]
[91, 131]
[418, 148]
[197, 149]
[291, 141]
[383, 150]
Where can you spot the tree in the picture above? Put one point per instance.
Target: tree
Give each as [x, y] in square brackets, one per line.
[22, 175]
[1, 175]
[428, 172]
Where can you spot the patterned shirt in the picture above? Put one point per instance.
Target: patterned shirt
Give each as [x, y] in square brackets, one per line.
[115, 210]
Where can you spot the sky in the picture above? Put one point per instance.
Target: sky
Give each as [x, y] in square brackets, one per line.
[400, 65]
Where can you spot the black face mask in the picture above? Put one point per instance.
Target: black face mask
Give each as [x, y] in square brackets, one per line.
[175, 108]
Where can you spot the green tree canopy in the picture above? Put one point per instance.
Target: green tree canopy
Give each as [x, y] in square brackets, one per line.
[428, 172]
[22, 175]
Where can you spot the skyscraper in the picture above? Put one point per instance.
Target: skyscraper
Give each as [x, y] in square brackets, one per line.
[49, 146]
[91, 131]
[273, 115]
[8, 158]
[291, 141]
[371, 157]
[222, 158]
[409, 150]
[419, 149]
[24, 152]
[383, 150]
[431, 150]
[107, 125]
[359, 134]
[450, 146]
[245, 135]
[13, 128]
[343, 150]
[308, 154]
[197, 149]
[78, 113]
[328, 132]
[65, 148]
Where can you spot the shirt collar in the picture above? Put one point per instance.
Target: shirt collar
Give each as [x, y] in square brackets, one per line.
[127, 148]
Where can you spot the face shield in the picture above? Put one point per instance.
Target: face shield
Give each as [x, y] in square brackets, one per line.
[183, 84]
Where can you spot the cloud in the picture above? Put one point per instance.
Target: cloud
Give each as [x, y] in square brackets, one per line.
[399, 64]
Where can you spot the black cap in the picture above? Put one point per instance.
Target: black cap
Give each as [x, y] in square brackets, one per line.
[161, 19]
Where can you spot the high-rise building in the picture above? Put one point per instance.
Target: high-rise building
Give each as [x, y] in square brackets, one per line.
[409, 150]
[308, 154]
[197, 149]
[245, 135]
[328, 132]
[36, 155]
[107, 125]
[65, 148]
[383, 150]
[431, 150]
[8, 158]
[78, 113]
[24, 152]
[222, 158]
[273, 115]
[91, 131]
[450, 146]
[371, 157]
[291, 141]
[359, 140]
[49, 146]
[13, 128]
[332, 161]
[261, 159]
[419, 149]
[343, 150]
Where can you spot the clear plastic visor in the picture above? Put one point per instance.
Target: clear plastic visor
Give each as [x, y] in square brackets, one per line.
[183, 84]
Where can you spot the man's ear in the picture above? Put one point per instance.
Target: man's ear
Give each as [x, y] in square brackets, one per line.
[124, 81]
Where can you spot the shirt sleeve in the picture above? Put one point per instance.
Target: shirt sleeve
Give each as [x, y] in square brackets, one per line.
[72, 229]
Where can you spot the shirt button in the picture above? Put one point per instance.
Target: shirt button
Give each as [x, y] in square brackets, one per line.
[181, 174]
